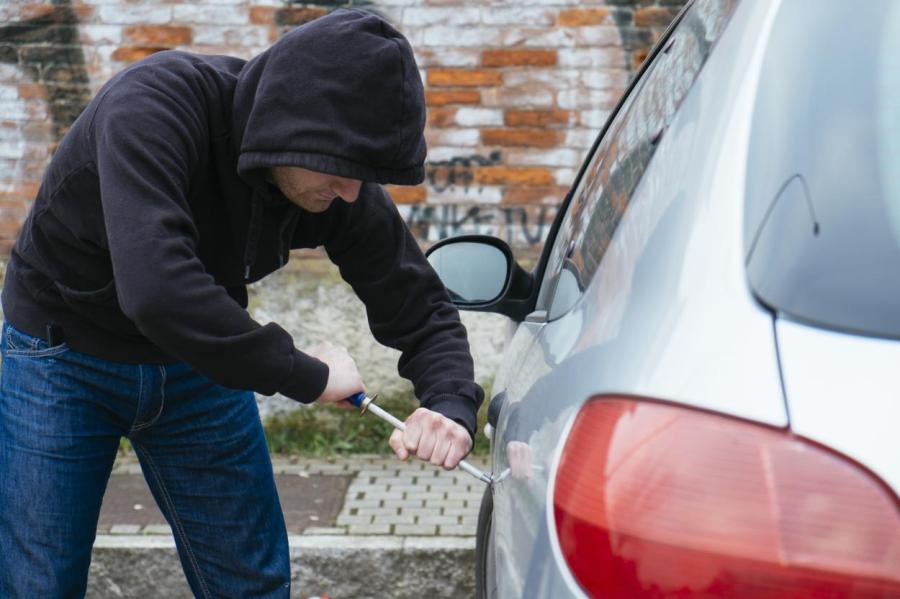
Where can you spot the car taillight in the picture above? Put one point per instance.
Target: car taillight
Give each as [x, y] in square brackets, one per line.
[653, 500]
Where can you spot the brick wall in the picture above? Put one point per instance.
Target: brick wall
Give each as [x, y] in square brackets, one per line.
[516, 90]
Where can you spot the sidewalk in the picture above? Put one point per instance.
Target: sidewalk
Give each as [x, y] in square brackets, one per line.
[358, 526]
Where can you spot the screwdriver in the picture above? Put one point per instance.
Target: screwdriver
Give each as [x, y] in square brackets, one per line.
[368, 404]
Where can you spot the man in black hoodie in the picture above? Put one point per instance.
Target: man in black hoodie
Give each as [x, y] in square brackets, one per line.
[185, 179]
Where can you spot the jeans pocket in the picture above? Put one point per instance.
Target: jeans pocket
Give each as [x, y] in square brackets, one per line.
[17, 343]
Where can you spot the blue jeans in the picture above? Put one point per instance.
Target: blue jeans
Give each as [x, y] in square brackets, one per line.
[200, 445]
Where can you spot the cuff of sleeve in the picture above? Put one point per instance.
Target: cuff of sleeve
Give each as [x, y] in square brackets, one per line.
[457, 408]
[307, 379]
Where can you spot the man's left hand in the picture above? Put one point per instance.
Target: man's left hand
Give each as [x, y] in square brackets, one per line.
[433, 438]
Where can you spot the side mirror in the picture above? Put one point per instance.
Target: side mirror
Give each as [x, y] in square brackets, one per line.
[481, 274]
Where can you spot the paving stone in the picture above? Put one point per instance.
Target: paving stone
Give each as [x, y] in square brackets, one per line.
[394, 480]
[358, 503]
[414, 530]
[410, 488]
[125, 529]
[157, 529]
[408, 503]
[357, 487]
[325, 530]
[370, 529]
[440, 481]
[369, 472]
[377, 511]
[438, 520]
[463, 495]
[395, 519]
[426, 495]
[385, 495]
[461, 511]
[458, 530]
[348, 520]
[419, 511]
[444, 503]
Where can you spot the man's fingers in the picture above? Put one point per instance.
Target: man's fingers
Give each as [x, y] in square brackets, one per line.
[459, 447]
[412, 434]
[396, 443]
[441, 449]
[430, 434]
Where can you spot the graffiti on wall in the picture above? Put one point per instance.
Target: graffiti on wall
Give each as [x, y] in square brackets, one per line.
[441, 175]
[46, 48]
[519, 226]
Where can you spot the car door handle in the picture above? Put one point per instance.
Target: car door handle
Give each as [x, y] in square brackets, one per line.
[537, 317]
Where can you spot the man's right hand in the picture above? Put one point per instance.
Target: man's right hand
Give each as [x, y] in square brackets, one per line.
[343, 377]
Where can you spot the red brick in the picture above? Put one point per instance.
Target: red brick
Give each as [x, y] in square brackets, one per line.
[84, 12]
[504, 175]
[403, 194]
[262, 15]
[654, 16]
[534, 195]
[442, 98]
[582, 17]
[159, 35]
[28, 189]
[29, 91]
[132, 54]
[537, 138]
[442, 117]
[536, 118]
[27, 12]
[506, 58]
[298, 16]
[464, 78]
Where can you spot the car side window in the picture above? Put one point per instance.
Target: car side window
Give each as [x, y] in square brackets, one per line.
[616, 167]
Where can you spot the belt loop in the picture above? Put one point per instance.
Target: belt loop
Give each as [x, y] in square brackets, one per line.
[55, 335]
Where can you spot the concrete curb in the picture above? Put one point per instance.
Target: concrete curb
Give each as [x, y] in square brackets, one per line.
[147, 566]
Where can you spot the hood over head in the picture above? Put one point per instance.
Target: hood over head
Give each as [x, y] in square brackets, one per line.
[339, 95]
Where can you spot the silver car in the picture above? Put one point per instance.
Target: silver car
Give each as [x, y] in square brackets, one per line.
[701, 397]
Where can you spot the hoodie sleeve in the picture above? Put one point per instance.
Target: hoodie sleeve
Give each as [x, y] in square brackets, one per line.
[407, 305]
[147, 143]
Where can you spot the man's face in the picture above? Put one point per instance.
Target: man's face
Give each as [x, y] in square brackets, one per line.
[314, 191]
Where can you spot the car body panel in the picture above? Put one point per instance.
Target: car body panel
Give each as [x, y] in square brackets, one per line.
[844, 392]
[670, 291]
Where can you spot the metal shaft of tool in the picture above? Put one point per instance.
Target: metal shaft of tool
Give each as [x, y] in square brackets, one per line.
[396, 423]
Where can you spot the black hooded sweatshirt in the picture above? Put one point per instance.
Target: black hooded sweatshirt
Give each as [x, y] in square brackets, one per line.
[156, 212]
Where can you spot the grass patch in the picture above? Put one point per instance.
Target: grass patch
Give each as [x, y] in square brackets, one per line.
[327, 430]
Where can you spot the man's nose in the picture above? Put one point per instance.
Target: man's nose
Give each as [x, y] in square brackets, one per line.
[347, 189]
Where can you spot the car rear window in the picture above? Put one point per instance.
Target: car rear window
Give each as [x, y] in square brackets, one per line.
[822, 214]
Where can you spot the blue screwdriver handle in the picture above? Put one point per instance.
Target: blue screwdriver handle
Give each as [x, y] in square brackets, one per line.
[364, 403]
[357, 399]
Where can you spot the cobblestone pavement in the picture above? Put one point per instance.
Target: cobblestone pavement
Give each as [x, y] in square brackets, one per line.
[384, 497]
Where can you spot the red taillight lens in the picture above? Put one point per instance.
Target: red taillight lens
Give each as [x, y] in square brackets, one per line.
[652, 500]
